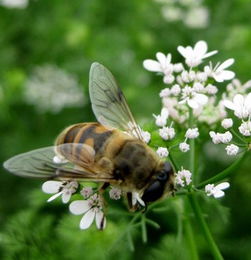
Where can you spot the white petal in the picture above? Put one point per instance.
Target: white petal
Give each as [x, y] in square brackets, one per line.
[201, 99]
[54, 196]
[229, 104]
[79, 207]
[152, 65]
[66, 196]
[51, 186]
[200, 48]
[225, 65]
[100, 220]
[192, 103]
[218, 194]
[182, 51]
[238, 100]
[161, 57]
[211, 53]
[223, 186]
[87, 219]
[227, 75]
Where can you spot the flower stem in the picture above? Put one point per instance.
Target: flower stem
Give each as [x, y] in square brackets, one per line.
[225, 173]
[190, 236]
[204, 227]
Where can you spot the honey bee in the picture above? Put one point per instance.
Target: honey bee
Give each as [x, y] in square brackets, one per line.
[111, 151]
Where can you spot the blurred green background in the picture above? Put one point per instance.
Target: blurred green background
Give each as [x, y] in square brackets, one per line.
[46, 49]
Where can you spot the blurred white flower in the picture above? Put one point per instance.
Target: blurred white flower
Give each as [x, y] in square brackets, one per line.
[162, 152]
[146, 136]
[14, 3]
[160, 120]
[194, 56]
[216, 191]
[227, 123]
[192, 133]
[241, 105]
[172, 13]
[64, 188]
[164, 92]
[245, 128]
[183, 177]
[232, 149]
[86, 192]
[167, 133]
[92, 209]
[184, 147]
[197, 17]
[168, 79]
[219, 72]
[178, 67]
[115, 193]
[52, 89]
[163, 64]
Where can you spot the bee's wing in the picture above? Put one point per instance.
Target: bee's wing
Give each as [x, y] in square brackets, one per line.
[39, 163]
[108, 102]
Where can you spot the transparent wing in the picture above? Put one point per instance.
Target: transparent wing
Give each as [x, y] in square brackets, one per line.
[108, 102]
[40, 163]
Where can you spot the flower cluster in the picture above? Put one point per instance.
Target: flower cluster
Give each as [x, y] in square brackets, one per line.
[50, 88]
[191, 92]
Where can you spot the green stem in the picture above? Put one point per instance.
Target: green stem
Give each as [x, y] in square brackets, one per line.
[175, 166]
[204, 227]
[225, 173]
[190, 236]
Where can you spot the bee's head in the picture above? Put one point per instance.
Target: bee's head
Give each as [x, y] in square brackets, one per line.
[161, 183]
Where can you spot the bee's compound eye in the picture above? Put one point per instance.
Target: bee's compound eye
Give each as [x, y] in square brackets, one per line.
[162, 176]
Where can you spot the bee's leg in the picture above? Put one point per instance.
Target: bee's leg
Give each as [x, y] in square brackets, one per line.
[103, 187]
[131, 207]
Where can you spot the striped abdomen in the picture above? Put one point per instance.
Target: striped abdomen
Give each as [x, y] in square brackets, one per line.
[92, 134]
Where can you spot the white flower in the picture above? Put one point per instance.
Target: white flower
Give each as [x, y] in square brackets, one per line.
[216, 191]
[198, 87]
[219, 72]
[115, 193]
[51, 89]
[184, 147]
[86, 192]
[175, 90]
[245, 128]
[164, 92]
[162, 152]
[183, 177]
[162, 65]
[92, 209]
[192, 98]
[178, 67]
[167, 133]
[227, 123]
[192, 133]
[160, 120]
[241, 105]
[168, 79]
[185, 76]
[66, 189]
[196, 16]
[211, 89]
[194, 56]
[136, 198]
[201, 76]
[232, 149]
[146, 136]
[218, 138]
